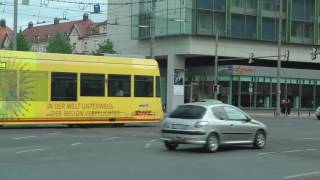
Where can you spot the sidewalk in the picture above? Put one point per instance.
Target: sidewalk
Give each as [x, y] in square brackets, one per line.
[269, 113]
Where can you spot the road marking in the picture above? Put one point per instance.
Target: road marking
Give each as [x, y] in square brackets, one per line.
[54, 133]
[293, 151]
[75, 144]
[306, 139]
[266, 153]
[302, 175]
[24, 137]
[111, 138]
[311, 149]
[148, 145]
[31, 150]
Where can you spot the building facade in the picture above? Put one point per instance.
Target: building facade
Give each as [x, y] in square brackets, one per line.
[84, 35]
[5, 34]
[185, 46]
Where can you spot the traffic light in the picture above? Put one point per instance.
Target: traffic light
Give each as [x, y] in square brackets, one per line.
[218, 89]
[251, 55]
[314, 53]
[287, 55]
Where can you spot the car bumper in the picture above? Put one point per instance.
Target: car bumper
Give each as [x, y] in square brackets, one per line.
[184, 137]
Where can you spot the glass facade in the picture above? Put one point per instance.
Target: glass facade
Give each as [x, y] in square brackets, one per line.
[245, 19]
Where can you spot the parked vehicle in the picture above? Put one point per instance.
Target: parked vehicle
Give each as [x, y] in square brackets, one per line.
[212, 124]
[318, 113]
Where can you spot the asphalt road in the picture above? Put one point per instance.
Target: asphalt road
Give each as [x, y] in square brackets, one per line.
[135, 153]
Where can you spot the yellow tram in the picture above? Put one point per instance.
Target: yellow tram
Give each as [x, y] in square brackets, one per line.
[44, 88]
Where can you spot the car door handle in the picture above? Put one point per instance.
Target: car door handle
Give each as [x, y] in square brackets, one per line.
[232, 125]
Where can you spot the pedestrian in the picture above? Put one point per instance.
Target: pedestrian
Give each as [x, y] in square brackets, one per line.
[283, 107]
[288, 105]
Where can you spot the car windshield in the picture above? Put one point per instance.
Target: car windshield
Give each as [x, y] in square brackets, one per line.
[188, 112]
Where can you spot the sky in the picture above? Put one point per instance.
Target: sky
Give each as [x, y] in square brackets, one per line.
[42, 12]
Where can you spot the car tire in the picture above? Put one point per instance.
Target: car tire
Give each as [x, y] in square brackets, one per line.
[170, 146]
[318, 117]
[259, 140]
[212, 144]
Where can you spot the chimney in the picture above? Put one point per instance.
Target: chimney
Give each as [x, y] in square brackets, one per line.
[85, 16]
[56, 21]
[30, 24]
[3, 23]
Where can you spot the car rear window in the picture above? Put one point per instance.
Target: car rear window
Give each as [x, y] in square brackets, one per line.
[188, 112]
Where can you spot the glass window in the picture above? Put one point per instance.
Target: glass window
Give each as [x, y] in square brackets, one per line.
[188, 112]
[204, 4]
[33, 86]
[158, 89]
[219, 5]
[63, 86]
[220, 113]
[119, 85]
[237, 25]
[8, 85]
[92, 85]
[143, 86]
[251, 27]
[234, 114]
[204, 22]
[268, 29]
[298, 9]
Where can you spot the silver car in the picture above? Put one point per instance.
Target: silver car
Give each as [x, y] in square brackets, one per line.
[212, 125]
[318, 113]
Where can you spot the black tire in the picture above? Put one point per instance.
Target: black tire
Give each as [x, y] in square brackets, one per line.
[70, 125]
[260, 140]
[318, 117]
[170, 146]
[212, 144]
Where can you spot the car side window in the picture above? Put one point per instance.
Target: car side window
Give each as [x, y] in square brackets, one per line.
[234, 114]
[219, 112]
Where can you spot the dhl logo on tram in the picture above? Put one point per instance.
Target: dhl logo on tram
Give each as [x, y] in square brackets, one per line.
[144, 113]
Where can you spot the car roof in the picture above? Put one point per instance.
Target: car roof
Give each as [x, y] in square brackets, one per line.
[206, 102]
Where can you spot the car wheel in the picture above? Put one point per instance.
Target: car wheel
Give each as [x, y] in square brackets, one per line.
[318, 117]
[170, 146]
[259, 140]
[212, 144]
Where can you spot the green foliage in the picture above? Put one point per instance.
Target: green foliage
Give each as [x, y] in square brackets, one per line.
[106, 47]
[59, 44]
[22, 43]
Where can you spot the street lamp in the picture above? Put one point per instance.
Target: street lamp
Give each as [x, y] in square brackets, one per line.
[279, 60]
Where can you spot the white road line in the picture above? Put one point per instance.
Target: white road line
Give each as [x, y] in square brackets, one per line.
[31, 150]
[302, 175]
[75, 144]
[23, 137]
[307, 139]
[147, 145]
[311, 149]
[54, 133]
[111, 138]
[266, 153]
[293, 151]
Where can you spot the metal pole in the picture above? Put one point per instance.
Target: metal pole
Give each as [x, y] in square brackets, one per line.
[216, 65]
[279, 59]
[15, 26]
[152, 28]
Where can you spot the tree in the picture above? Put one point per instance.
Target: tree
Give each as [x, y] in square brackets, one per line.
[22, 43]
[59, 44]
[106, 47]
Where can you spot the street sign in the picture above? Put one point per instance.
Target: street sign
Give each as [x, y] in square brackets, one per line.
[250, 90]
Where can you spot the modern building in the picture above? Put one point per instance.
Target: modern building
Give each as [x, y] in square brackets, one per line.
[5, 33]
[85, 35]
[185, 48]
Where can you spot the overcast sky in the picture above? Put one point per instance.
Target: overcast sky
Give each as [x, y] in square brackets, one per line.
[44, 11]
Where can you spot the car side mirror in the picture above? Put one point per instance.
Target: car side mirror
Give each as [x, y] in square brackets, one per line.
[248, 119]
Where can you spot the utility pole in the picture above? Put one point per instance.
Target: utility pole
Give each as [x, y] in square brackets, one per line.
[279, 60]
[216, 67]
[152, 28]
[15, 25]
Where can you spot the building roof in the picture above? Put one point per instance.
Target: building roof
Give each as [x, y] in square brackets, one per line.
[88, 29]
[42, 33]
[4, 32]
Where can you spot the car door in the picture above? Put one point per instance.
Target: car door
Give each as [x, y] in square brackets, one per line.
[240, 129]
[221, 124]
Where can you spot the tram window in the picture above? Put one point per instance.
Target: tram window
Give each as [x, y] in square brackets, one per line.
[63, 86]
[92, 85]
[8, 85]
[158, 86]
[119, 85]
[143, 86]
[33, 86]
